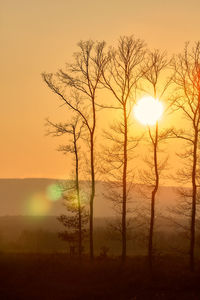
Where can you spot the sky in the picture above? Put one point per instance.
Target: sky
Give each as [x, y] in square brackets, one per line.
[41, 35]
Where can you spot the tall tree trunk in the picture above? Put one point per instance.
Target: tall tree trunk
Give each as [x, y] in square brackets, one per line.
[153, 197]
[92, 196]
[92, 177]
[194, 196]
[78, 198]
[124, 188]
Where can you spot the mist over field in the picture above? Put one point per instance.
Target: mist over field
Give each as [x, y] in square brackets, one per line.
[18, 196]
[26, 227]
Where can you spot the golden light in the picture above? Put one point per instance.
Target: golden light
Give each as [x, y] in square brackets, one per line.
[148, 110]
[37, 205]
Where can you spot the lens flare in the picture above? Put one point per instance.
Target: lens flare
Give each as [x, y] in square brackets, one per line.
[54, 192]
[40, 204]
[37, 205]
[148, 110]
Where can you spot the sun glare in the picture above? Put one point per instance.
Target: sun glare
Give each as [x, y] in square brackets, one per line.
[148, 110]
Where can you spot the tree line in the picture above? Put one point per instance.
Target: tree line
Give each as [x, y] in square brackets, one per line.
[124, 72]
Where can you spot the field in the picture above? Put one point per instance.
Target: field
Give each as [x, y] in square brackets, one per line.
[57, 276]
[35, 263]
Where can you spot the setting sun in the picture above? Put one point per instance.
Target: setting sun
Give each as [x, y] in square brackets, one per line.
[148, 110]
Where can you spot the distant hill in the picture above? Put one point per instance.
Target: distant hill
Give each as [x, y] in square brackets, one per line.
[28, 223]
[40, 196]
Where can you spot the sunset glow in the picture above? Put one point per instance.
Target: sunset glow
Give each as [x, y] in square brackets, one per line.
[148, 110]
[100, 148]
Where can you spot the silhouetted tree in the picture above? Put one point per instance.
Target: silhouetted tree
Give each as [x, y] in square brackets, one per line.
[156, 62]
[187, 79]
[77, 216]
[82, 77]
[74, 221]
[120, 76]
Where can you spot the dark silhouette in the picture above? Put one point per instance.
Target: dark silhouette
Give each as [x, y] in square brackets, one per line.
[83, 77]
[78, 218]
[187, 92]
[156, 62]
[120, 76]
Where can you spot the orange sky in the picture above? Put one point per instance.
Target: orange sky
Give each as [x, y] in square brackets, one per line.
[41, 35]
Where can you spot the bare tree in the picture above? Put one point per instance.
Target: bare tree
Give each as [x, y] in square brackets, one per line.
[83, 77]
[120, 77]
[187, 79]
[75, 207]
[156, 62]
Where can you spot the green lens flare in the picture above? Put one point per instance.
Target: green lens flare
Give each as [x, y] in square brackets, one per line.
[54, 192]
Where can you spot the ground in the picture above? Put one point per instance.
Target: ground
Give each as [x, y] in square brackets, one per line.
[57, 276]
